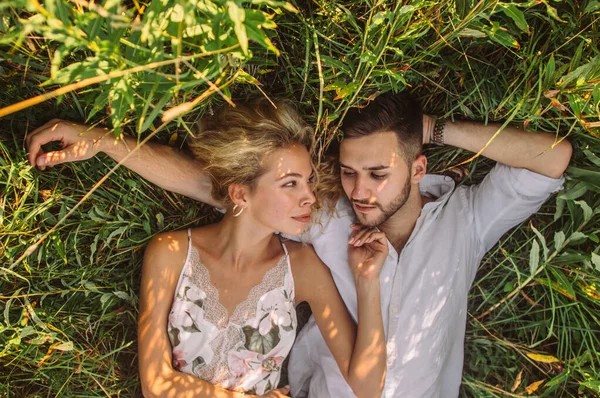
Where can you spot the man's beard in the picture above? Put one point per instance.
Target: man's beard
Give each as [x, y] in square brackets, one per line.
[390, 209]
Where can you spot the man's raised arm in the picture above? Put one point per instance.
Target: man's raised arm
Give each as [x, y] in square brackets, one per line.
[162, 165]
[542, 153]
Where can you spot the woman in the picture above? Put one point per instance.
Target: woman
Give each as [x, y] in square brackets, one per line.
[217, 303]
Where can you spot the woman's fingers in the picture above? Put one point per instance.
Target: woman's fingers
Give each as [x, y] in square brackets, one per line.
[357, 237]
[42, 135]
[367, 235]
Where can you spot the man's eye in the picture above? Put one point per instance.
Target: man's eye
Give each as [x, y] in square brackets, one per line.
[378, 176]
[348, 173]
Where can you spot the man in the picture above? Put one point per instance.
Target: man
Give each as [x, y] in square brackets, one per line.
[437, 233]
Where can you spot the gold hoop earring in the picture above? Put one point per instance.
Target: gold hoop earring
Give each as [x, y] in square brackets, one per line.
[239, 212]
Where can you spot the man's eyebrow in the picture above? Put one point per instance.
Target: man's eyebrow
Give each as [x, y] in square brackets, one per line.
[290, 175]
[374, 168]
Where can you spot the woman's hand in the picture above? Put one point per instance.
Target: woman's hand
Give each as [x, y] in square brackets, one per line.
[367, 251]
[79, 142]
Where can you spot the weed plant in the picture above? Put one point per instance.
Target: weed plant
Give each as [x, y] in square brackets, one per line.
[69, 275]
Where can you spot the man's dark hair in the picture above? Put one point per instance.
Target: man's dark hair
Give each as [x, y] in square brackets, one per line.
[399, 113]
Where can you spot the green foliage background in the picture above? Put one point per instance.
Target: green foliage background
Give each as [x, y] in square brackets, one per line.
[68, 311]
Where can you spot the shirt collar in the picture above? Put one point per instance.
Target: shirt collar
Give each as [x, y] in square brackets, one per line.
[437, 187]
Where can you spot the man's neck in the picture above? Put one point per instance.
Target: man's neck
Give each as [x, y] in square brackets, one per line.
[399, 227]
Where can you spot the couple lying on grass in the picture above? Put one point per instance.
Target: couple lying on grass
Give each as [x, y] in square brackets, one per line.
[397, 253]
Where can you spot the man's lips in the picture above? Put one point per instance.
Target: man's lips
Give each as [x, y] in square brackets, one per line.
[304, 219]
[364, 208]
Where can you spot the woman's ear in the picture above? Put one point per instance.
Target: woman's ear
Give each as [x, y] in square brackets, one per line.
[238, 193]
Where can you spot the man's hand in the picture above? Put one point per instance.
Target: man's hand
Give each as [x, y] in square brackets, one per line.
[79, 142]
[367, 251]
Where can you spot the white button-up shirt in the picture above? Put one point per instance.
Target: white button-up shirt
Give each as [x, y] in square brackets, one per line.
[424, 289]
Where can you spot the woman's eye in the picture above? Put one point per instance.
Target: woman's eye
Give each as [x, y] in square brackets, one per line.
[290, 184]
[348, 173]
[378, 176]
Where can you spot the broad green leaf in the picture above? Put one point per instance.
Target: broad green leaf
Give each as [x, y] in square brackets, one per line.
[515, 14]
[260, 37]
[587, 210]
[582, 74]
[550, 70]
[593, 385]
[378, 19]
[177, 13]
[147, 122]
[467, 32]
[122, 295]
[560, 207]
[592, 7]
[577, 238]
[596, 261]
[237, 16]
[330, 61]
[501, 36]
[406, 9]
[542, 241]
[559, 239]
[574, 192]
[588, 176]
[552, 12]
[591, 156]
[534, 257]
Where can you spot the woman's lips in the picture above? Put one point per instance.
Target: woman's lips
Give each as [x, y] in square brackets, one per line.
[303, 219]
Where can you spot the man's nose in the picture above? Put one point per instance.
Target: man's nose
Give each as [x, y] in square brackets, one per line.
[361, 191]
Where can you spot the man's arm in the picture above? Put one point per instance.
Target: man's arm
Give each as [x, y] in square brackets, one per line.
[162, 165]
[541, 153]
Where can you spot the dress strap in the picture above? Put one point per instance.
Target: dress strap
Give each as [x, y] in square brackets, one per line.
[189, 251]
[285, 250]
[185, 264]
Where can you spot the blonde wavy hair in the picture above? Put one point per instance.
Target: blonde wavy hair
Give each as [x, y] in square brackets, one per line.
[234, 141]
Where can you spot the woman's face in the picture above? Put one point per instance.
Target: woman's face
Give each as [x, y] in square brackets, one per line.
[283, 196]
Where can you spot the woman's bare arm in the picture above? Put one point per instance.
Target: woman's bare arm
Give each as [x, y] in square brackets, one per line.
[360, 352]
[167, 167]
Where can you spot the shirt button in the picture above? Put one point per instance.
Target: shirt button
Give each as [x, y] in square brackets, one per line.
[394, 309]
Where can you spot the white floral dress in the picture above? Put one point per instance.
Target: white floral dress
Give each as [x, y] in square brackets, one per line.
[245, 352]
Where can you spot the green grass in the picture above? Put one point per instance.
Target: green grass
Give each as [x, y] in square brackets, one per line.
[68, 311]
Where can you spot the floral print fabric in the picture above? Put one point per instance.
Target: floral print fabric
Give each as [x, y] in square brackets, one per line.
[243, 352]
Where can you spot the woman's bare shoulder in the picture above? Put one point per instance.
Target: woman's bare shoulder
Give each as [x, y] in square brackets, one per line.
[303, 258]
[166, 249]
[298, 249]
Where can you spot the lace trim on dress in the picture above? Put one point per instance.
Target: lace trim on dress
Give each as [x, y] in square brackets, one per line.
[216, 313]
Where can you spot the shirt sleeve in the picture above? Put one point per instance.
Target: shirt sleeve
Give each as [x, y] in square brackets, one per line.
[506, 197]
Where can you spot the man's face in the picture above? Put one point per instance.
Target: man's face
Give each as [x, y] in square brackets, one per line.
[375, 177]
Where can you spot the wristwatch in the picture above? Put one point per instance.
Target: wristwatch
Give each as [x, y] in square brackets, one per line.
[437, 136]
